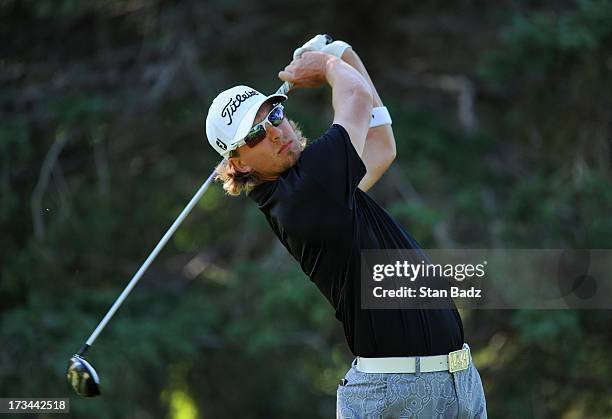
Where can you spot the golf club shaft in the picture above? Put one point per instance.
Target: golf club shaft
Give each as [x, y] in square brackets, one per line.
[150, 259]
[284, 89]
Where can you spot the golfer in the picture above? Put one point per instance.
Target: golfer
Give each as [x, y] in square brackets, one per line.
[409, 363]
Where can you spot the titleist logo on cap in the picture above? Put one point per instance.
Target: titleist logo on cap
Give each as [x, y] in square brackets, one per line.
[234, 103]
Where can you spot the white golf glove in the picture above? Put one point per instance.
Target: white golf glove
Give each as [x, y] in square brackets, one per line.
[315, 44]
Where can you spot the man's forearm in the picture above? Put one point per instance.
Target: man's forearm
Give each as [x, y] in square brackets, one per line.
[351, 57]
[351, 100]
[345, 82]
[379, 149]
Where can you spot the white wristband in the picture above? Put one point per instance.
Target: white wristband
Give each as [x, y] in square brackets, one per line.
[336, 48]
[380, 116]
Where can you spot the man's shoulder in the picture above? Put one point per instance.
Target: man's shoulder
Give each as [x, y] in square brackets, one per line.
[325, 150]
[335, 133]
[289, 186]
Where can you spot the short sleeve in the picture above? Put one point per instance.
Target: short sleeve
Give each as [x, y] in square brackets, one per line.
[334, 164]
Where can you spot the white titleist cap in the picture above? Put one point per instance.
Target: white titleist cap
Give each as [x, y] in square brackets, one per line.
[231, 116]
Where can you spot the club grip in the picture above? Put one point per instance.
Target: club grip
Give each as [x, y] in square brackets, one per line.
[285, 88]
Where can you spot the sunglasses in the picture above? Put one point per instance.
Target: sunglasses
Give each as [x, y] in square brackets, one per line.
[258, 132]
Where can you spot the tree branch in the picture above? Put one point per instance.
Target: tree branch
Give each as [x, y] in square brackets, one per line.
[43, 183]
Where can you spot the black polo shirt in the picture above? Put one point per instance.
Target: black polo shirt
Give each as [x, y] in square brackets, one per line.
[324, 220]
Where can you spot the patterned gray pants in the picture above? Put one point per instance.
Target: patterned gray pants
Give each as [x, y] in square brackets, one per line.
[422, 395]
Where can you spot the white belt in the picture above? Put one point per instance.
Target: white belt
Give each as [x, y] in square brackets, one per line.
[454, 361]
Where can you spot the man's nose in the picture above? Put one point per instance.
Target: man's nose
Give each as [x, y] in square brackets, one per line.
[274, 133]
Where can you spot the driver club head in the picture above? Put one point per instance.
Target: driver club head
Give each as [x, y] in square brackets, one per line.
[82, 377]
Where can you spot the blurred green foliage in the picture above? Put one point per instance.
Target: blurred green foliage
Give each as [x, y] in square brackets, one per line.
[224, 324]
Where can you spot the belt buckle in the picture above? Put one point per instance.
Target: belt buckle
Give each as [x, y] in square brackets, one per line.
[458, 360]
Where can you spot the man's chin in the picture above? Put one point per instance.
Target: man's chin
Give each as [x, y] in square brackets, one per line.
[294, 155]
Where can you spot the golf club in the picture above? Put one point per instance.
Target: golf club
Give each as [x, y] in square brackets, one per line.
[80, 373]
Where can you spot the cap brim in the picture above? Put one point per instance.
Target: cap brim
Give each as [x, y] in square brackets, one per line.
[249, 117]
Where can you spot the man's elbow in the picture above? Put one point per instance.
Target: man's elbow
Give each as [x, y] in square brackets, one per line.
[390, 155]
[384, 162]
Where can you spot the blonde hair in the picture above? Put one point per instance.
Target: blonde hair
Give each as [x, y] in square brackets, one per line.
[235, 182]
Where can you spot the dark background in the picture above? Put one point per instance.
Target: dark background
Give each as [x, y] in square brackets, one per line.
[502, 114]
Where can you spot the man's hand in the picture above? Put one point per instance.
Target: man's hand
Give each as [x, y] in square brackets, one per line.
[309, 70]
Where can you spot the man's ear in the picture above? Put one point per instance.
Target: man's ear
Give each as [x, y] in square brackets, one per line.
[239, 165]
